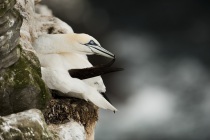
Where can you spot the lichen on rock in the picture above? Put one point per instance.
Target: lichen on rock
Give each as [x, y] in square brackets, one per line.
[24, 126]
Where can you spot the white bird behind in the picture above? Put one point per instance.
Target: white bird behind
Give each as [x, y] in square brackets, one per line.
[61, 52]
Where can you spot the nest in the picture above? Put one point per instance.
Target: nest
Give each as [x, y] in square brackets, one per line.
[61, 110]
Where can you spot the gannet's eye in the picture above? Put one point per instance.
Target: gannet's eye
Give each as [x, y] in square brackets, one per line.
[92, 43]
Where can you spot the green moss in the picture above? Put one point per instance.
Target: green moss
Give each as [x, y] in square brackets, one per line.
[32, 75]
[23, 85]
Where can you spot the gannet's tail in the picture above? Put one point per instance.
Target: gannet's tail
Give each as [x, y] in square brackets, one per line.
[97, 99]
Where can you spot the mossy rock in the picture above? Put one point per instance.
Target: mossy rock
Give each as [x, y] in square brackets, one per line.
[21, 86]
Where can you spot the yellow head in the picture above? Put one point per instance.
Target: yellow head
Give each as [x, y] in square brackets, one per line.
[86, 44]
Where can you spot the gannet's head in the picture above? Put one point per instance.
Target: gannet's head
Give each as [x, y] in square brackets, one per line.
[87, 44]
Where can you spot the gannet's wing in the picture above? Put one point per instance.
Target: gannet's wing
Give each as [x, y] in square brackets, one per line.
[91, 75]
[79, 61]
[94, 71]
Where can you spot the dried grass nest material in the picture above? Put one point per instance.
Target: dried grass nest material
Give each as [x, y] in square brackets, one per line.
[61, 110]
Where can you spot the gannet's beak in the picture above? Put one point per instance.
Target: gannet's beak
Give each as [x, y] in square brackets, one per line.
[101, 51]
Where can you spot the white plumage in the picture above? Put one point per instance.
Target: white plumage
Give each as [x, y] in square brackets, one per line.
[59, 53]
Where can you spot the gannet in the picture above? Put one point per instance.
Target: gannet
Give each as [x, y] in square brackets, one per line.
[59, 53]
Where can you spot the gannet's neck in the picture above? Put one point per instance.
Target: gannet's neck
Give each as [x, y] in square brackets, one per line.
[55, 43]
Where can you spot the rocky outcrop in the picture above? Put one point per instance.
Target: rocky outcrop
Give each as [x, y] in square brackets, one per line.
[21, 86]
[69, 131]
[25, 125]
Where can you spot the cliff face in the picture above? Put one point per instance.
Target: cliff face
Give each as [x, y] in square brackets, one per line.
[25, 125]
[21, 86]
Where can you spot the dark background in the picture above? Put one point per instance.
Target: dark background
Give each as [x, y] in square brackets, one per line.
[164, 47]
[184, 24]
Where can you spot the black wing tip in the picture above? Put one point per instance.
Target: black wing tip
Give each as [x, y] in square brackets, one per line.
[113, 69]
